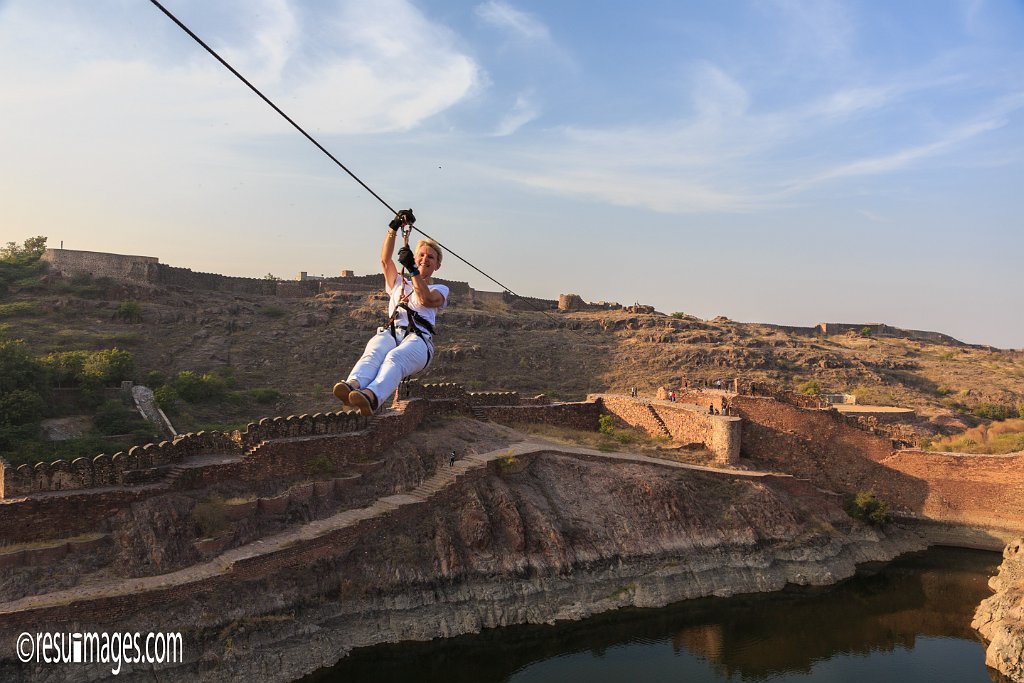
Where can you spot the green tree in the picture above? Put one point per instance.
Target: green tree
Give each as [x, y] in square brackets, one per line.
[196, 388]
[19, 369]
[65, 366]
[21, 407]
[18, 263]
[30, 252]
[109, 366]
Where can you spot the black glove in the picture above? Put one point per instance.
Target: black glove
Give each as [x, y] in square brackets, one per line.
[404, 216]
[407, 260]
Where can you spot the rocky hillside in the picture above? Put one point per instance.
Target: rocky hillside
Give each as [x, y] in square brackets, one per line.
[301, 346]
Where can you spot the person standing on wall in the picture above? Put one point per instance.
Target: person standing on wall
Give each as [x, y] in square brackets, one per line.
[404, 346]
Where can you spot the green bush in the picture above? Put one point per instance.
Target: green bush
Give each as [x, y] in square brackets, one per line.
[16, 309]
[21, 407]
[321, 466]
[113, 417]
[65, 366]
[811, 387]
[20, 370]
[109, 366]
[866, 507]
[30, 252]
[993, 411]
[90, 368]
[129, 311]
[605, 424]
[154, 379]
[195, 388]
[166, 397]
[264, 395]
[21, 266]
[86, 286]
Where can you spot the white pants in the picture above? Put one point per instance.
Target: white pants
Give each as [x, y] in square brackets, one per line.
[385, 362]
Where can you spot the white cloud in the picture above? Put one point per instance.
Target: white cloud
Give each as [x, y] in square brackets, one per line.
[523, 111]
[358, 78]
[518, 23]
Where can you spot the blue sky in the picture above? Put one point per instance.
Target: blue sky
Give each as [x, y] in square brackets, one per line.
[770, 161]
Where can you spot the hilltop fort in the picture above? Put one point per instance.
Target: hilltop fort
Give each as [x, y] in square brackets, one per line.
[282, 545]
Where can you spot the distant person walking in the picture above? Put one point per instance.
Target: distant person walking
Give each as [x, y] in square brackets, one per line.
[404, 345]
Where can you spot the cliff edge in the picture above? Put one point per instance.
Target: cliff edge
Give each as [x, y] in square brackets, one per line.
[1000, 618]
[522, 538]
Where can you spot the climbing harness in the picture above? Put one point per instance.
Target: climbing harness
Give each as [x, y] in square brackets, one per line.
[323, 149]
[415, 323]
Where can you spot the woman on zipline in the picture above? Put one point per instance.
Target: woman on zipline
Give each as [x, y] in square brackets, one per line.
[404, 346]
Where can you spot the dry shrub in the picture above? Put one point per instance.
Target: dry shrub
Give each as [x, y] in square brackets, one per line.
[997, 438]
[1006, 426]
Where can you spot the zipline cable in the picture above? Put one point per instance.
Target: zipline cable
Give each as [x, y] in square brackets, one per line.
[323, 149]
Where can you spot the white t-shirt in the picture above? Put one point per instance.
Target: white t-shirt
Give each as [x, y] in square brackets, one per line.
[413, 302]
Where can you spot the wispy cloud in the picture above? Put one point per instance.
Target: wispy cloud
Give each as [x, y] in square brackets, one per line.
[727, 157]
[523, 111]
[518, 23]
[359, 79]
[907, 156]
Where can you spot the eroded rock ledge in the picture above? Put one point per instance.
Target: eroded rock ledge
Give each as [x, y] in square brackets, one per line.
[526, 540]
[1000, 618]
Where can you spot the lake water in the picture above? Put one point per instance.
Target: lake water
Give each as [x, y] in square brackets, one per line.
[907, 622]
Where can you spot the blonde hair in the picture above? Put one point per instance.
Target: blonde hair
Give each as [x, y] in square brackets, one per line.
[433, 245]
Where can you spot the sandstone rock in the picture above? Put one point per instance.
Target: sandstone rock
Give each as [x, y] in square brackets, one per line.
[1000, 618]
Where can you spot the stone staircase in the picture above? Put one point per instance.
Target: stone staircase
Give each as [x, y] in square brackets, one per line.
[478, 414]
[662, 427]
[445, 476]
[174, 474]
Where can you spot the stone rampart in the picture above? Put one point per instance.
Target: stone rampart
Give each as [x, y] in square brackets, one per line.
[883, 330]
[185, 277]
[582, 416]
[528, 303]
[977, 490]
[53, 514]
[719, 434]
[69, 262]
[574, 302]
[148, 463]
[494, 398]
[814, 444]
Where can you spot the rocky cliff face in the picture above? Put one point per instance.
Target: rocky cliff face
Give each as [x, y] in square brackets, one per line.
[535, 540]
[1000, 618]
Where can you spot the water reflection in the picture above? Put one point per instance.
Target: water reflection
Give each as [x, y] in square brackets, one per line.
[911, 617]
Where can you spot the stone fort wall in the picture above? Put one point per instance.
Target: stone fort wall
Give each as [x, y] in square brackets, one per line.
[53, 500]
[720, 434]
[149, 270]
[69, 262]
